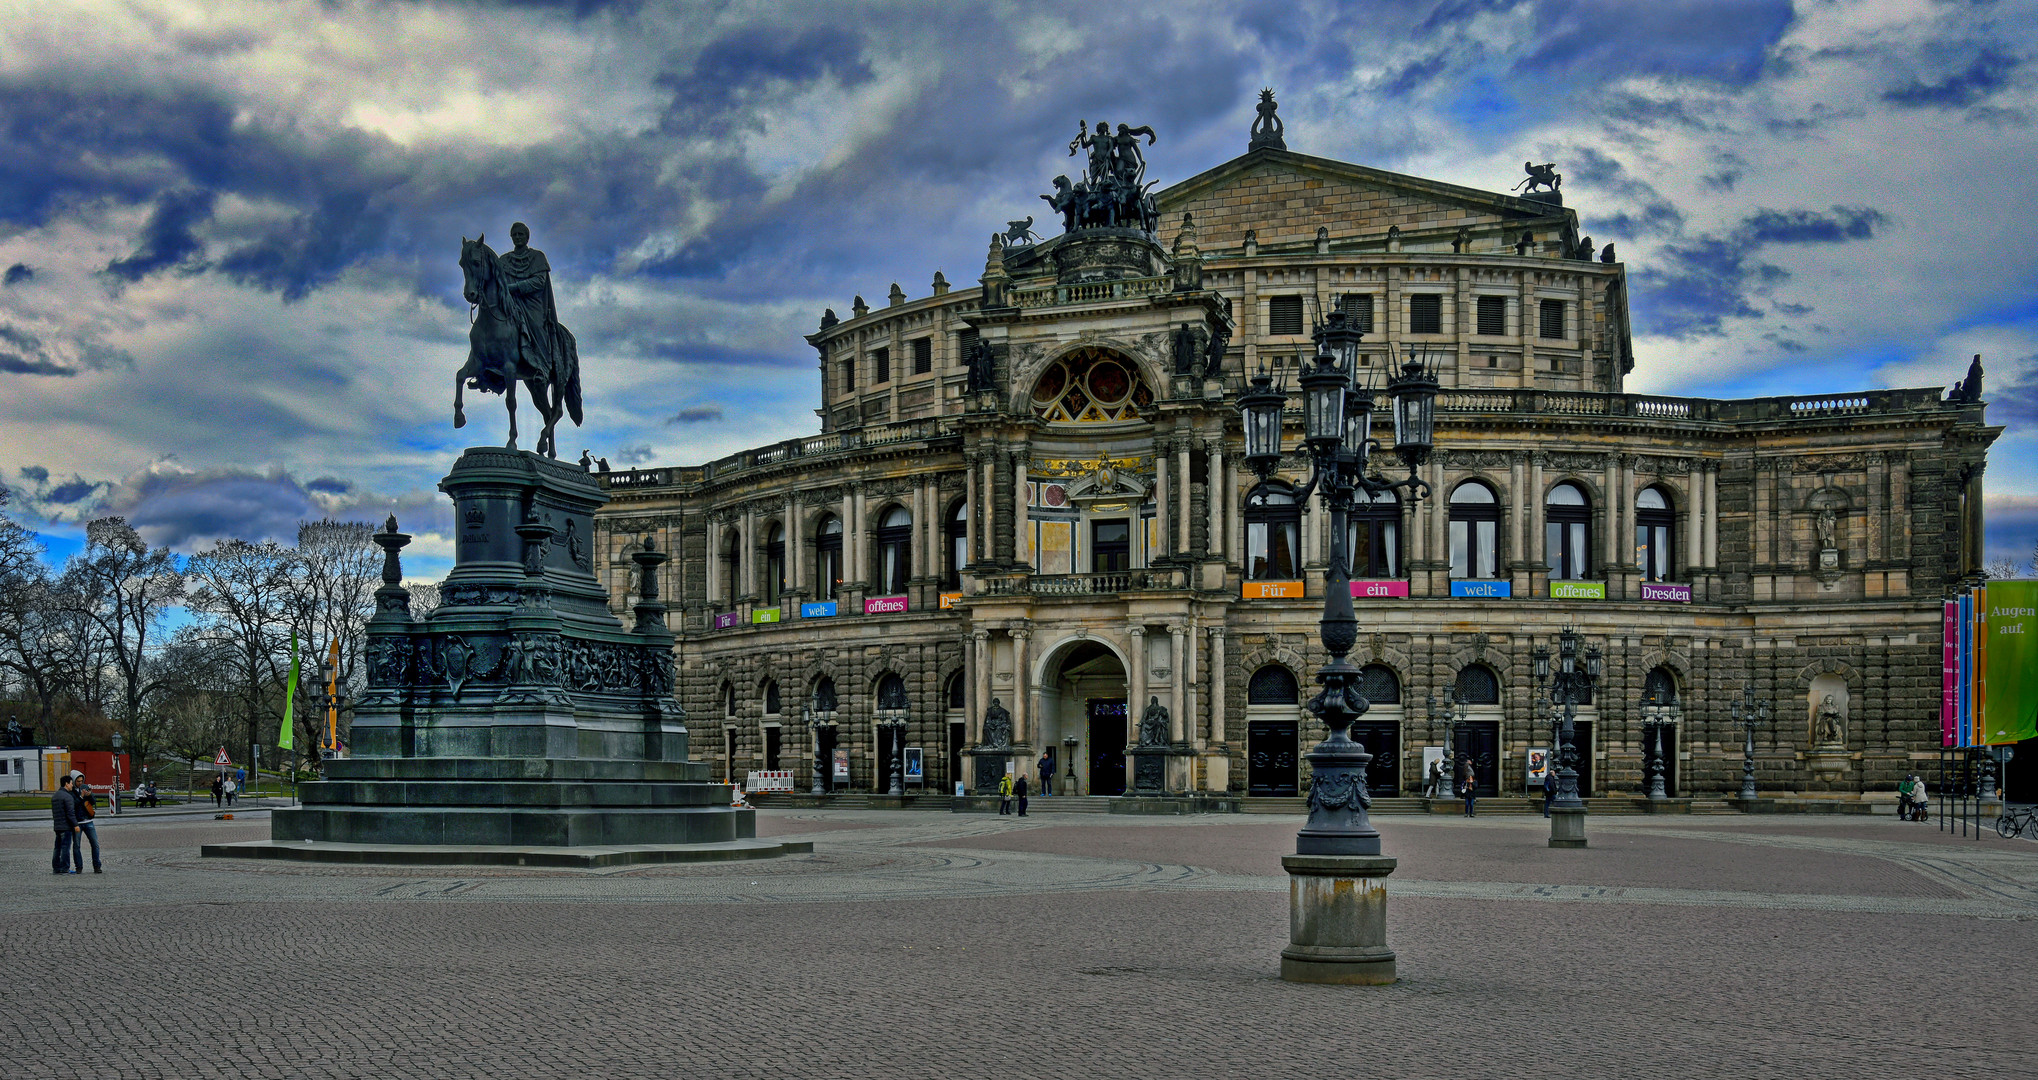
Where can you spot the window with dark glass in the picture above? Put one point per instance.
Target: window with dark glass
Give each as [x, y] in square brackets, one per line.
[771, 697]
[923, 355]
[1272, 685]
[1655, 529]
[729, 700]
[1475, 531]
[828, 558]
[1660, 688]
[774, 741]
[881, 365]
[732, 567]
[1373, 536]
[1426, 313]
[894, 551]
[891, 692]
[1284, 315]
[965, 341]
[1359, 312]
[774, 564]
[1567, 533]
[1493, 315]
[1273, 533]
[1553, 319]
[849, 376]
[1477, 685]
[1380, 685]
[824, 694]
[955, 691]
[1110, 546]
[957, 527]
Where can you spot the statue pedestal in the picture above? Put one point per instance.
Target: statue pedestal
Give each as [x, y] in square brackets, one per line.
[1158, 770]
[1830, 764]
[992, 762]
[1337, 920]
[1567, 827]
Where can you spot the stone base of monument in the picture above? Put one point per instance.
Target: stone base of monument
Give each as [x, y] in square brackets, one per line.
[1337, 920]
[1567, 827]
[1829, 765]
[580, 857]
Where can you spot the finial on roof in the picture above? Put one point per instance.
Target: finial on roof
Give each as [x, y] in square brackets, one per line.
[1266, 129]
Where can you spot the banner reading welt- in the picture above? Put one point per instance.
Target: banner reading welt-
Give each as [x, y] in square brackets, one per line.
[2009, 706]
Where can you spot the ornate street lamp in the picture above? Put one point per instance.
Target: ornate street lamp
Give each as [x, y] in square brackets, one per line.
[1655, 721]
[1337, 862]
[1748, 713]
[894, 721]
[1570, 681]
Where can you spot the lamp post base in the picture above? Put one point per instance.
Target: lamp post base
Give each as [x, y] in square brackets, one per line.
[1567, 826]
[1337, 920]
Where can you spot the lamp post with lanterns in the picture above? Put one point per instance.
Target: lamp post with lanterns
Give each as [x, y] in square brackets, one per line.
[1337, 905]
[1570, 681]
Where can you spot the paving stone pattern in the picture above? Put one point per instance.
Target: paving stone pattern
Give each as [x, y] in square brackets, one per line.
[913, 944]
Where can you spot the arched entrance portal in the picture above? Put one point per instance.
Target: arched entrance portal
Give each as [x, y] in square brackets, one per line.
[1082, 696]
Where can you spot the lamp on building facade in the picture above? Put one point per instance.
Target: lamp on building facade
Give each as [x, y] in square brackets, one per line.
[1655, 722]
[1748, 712]
[894, 765]
[1570, 681]
[1337, 916]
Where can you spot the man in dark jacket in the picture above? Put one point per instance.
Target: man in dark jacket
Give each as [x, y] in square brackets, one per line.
[64, 816]
[1019, 792]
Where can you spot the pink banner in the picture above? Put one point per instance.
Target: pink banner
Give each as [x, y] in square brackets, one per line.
[884, 605]
[1676, 594]
[1949, 678]
[1373, 590]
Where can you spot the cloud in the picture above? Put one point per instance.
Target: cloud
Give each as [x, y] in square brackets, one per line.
[2014, 396]
[1989, 73]
[697, 414]
[1695, 286]
[635, 455]
[1808, 227]
[17, 274]
[168, 239]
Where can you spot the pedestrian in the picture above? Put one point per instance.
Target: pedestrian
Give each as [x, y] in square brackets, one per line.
[1468, 786]
[1047, 772]
[233, 788]
[1434, 785]
[64, 817]
[1919, 800]
[1019, 792]
[81, 793]
[218, 791]
[1549, 790]
[1005, 794]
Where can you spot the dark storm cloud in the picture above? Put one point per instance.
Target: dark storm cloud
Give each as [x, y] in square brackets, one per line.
[1723, 40]
[1844, 223]
[696, 414]
[23, 353]
[167, 239]
[67, 493]
[2014, 399]
[1988, 73]
[634, 455]
[17, 274]
[35, 473]
[1697, 284]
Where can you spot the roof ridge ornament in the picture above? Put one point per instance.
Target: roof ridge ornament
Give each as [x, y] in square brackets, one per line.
[1266, 129]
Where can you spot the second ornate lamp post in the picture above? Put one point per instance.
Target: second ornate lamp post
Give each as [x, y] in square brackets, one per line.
[1748, 713]
[1570, 682]
[1337, 889]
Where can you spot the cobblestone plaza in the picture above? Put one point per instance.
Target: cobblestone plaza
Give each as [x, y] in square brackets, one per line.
[934, 944]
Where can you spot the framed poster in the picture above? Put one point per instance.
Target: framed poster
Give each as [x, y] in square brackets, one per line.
[1432, 755]
[915, 766]
[1537, 759]
[842, 763]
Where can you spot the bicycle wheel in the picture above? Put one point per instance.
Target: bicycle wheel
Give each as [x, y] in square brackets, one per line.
[2031, 826]
[2006, 826]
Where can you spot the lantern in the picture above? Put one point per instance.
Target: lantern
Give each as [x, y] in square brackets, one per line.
[1323, 403]
[1260, 408]
[1414, 393]
[1342, 339]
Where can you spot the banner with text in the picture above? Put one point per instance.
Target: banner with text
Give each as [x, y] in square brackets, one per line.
[2009, 708]
[1577, 590]
[1272, 590]
[726, 619]
[820, 609]
[764, 615]
[1373, 590]
[1666, 592]
[884, 605]
[1483, 590]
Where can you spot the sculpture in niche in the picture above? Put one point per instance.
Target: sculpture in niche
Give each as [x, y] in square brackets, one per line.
[1827, 523]
[1461, 240]
[1153, 723]
[979, 362]
[1188, 348]
[1830, 728]
[997, 725]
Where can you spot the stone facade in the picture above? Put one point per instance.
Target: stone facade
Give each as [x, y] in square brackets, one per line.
[1074, 540]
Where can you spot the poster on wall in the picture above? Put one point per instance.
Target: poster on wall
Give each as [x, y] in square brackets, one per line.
[1431, 755]
[1538, 758]
[915, 765]
[841, 763]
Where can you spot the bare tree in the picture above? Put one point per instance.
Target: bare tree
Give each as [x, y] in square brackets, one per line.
[192, 712]
[424, 598]
[1998, 569]
[122, 588]
[245, 597]
[340, 568]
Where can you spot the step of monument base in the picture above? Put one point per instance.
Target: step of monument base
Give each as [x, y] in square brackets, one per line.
[592, 857]
[535, 826]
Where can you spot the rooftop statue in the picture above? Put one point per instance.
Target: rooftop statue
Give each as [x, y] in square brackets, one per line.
[515, 334]
[1266, 129]
[1114, 192]
[1544, 175]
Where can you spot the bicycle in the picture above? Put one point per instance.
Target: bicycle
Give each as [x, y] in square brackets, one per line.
[2016, 820]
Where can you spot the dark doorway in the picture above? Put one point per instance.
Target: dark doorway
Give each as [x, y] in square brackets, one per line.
[2020, 773]
[1271, 758]
[772, 746]
[728, 755]
[1107, 746]
[1382, 739]
[881, 775]
[1480, 741]
[956, 735]
[826, 758]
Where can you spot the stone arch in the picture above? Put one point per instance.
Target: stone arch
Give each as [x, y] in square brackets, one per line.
[1150, 370]
[1856, 700]
[1037, 669]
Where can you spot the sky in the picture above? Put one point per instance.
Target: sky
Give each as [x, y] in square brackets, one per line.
[229, 297]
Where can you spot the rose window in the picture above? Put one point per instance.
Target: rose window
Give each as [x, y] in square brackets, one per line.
[1091, 386]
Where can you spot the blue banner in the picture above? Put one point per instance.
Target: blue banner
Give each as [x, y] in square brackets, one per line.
[1485, 590]
[1964, 736]
[819, 610]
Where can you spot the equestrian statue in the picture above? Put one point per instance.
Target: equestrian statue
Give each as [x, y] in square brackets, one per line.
[516, 335]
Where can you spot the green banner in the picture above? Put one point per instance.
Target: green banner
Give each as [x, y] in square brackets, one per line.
[1577, 590]
[289, 695]
[2009, 703]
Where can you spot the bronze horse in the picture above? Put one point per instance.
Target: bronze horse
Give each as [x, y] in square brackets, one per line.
[498, 355]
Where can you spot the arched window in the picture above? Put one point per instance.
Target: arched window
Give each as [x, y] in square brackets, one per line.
[1567, 533]
[1272, 685]
[732, 566]
[1477, 685]
[1660, 688]
[1373, 536]
[824, 694]
[774, 563]
[828, 561]
[1475, 531]
[1273, 533]
[729, 701]
[891, 692]
[957, 528]
[955, 692]
[1655, 530]
[1380, 685]
[771, 697]
[894, 551]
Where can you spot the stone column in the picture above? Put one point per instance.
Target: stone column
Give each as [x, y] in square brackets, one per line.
[1160, 502]
[1610, 547]
[1022, 530]
[1182, 496]
[1532, 502]
[988, 533]
[1220, 498]
[1624, 539]
[794, 563]
[1312, 553]
[1694, 516]
[1516, 471]
[1976, 523]
[715, 583]
[1440, 517]
[746, 563]
[970, 505]
[1177, 679]
[1136, 677]
[1022, 719]
[980, 683]
[1878, 521]
[1234, 549]
[1217, 684]
[861, 571]
[1712, 514]
[848, 542]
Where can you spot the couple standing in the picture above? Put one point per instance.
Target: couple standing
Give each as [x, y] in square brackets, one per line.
[1012, 787]
[71, 812]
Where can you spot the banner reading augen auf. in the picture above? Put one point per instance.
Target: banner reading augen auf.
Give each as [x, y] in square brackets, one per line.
[2009, 710]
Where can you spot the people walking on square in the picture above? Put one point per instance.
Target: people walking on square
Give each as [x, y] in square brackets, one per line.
[1549, 791]
[64, 817]
[1019, 792]
[233, 788]
[219, 791]
[1005, 794]
[88, 808]
[1468, 786]
[1047, 772]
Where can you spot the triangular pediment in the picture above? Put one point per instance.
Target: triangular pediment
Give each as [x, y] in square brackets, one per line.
[1285, 197]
